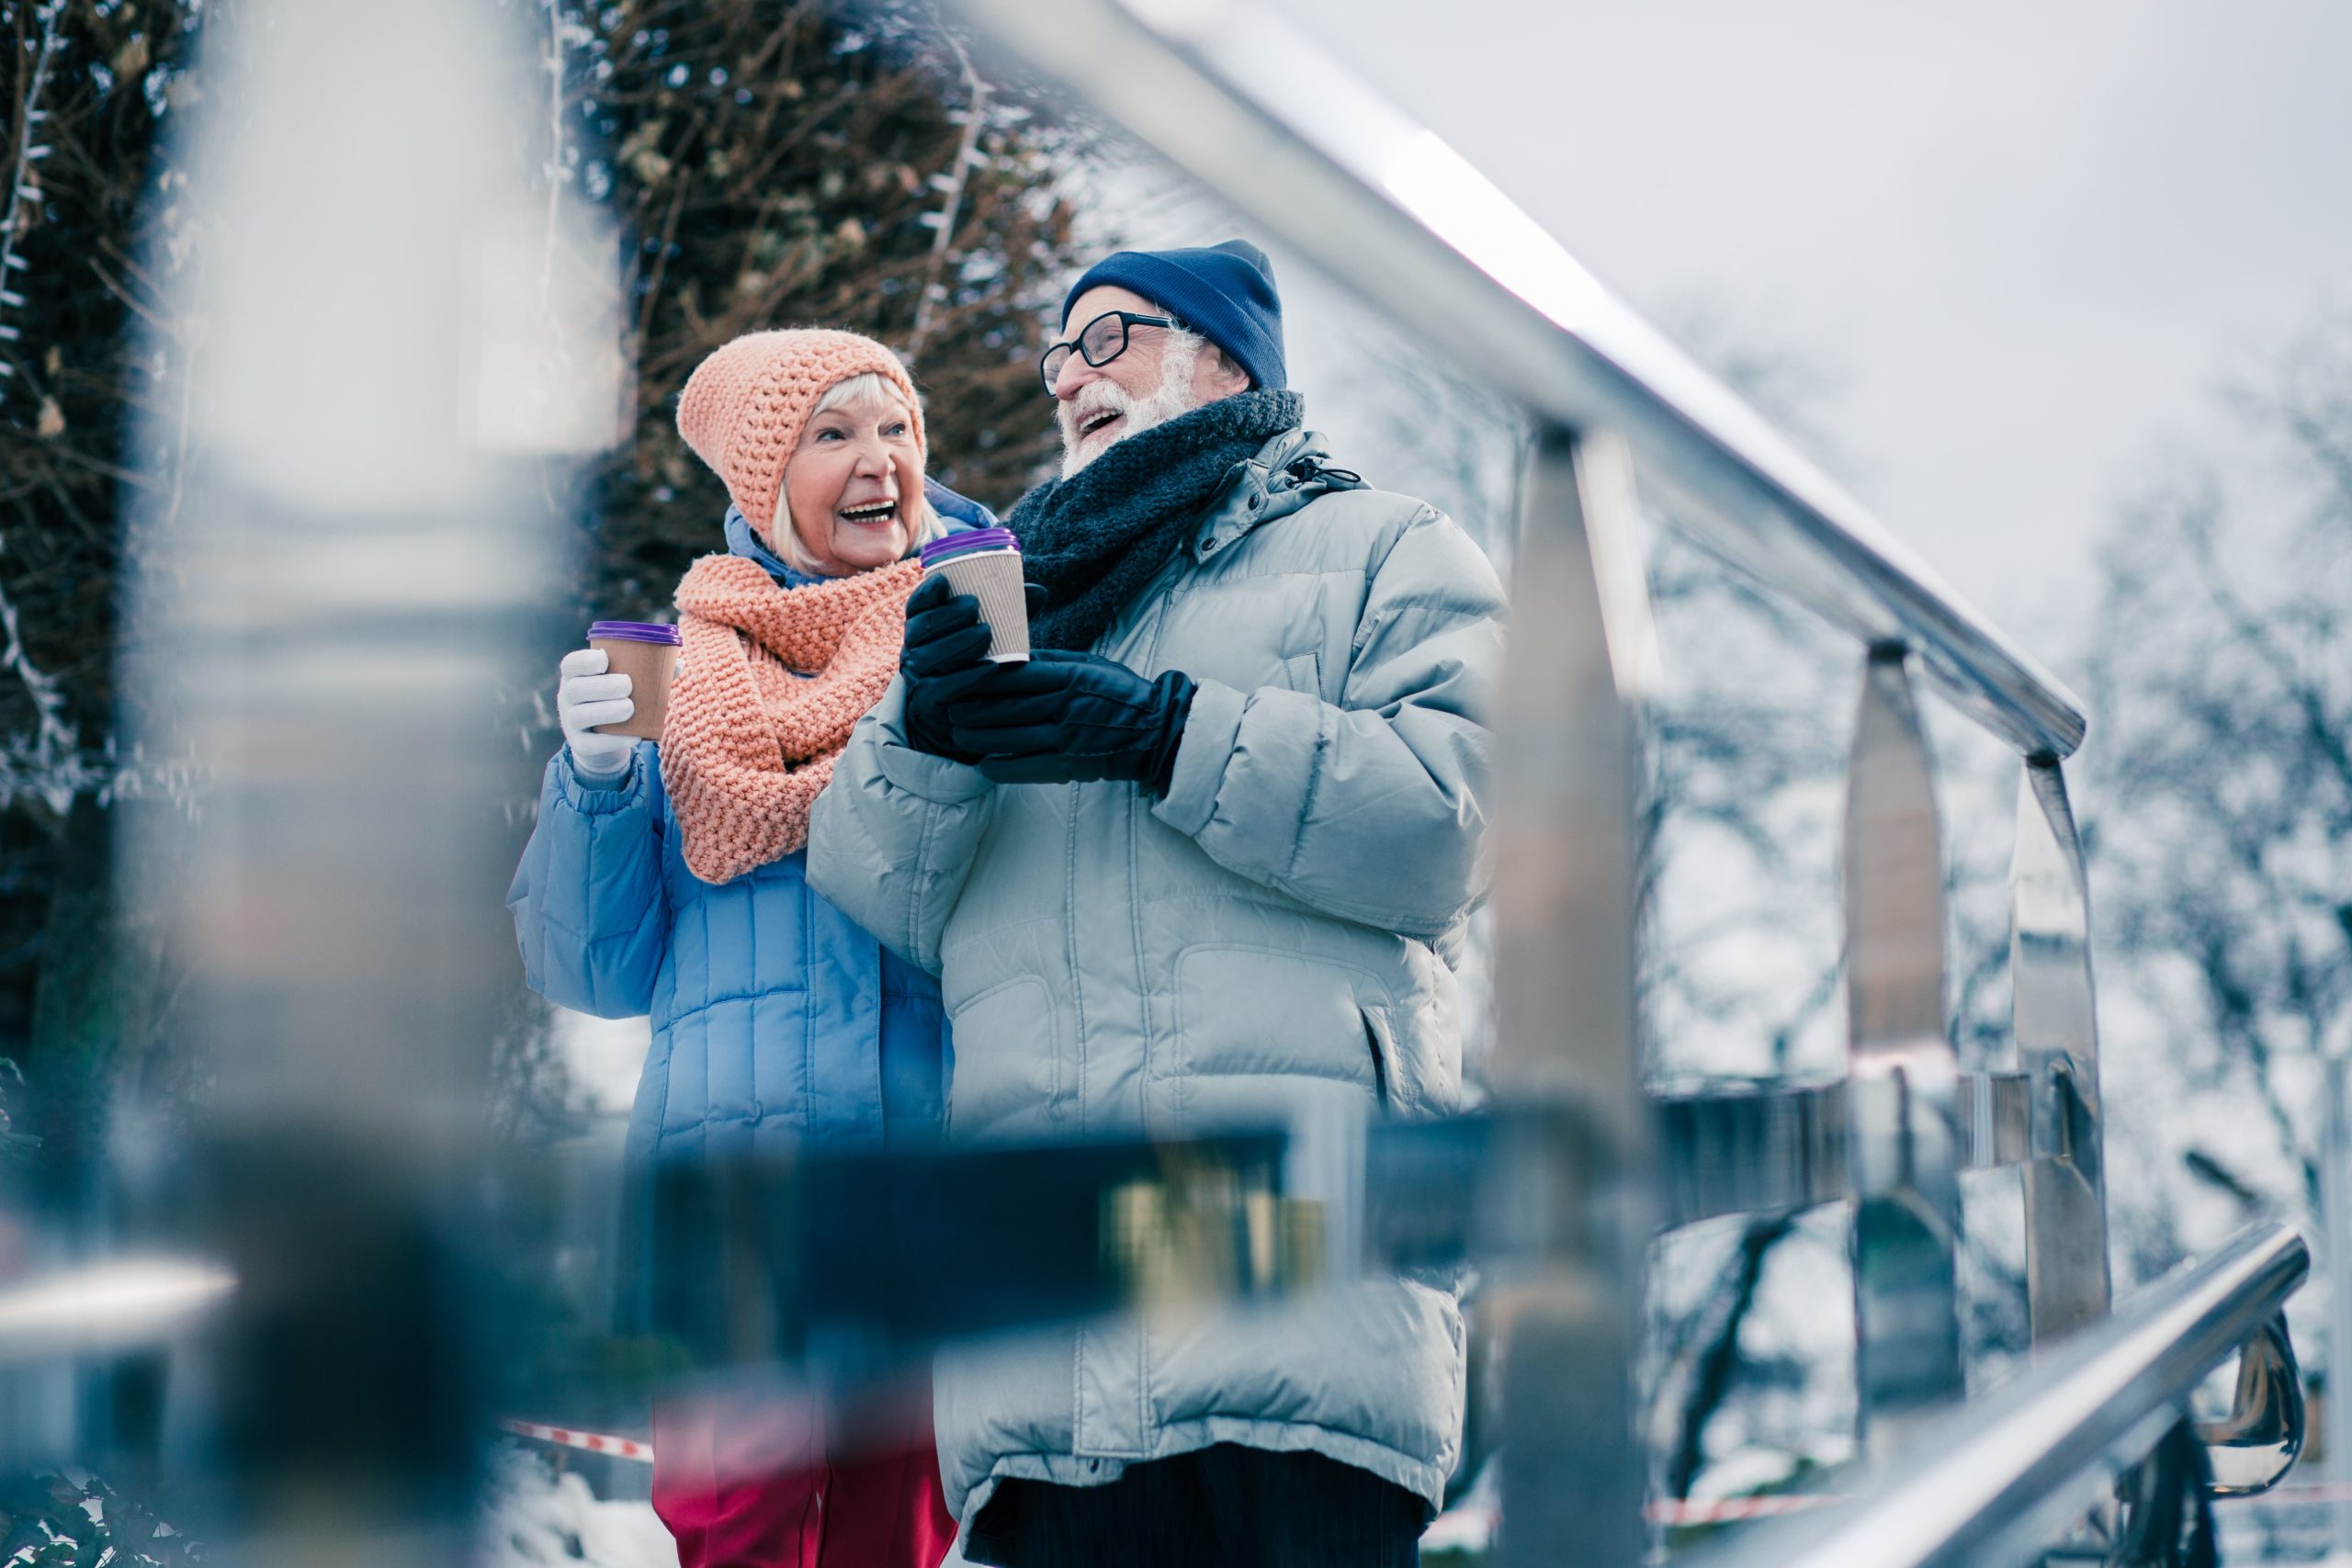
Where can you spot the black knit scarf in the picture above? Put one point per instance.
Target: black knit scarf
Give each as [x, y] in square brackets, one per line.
[1092, 540]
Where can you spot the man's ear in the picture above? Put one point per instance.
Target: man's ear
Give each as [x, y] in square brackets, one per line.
[1229, 376]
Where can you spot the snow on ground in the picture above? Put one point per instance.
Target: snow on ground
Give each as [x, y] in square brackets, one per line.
[605, 1057]
[1465, 1531]
[531, 1516]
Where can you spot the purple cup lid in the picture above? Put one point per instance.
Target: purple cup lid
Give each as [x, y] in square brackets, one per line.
[970, 540]
[633, 631]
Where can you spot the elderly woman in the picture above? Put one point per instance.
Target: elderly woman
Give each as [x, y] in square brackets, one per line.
[669, 879]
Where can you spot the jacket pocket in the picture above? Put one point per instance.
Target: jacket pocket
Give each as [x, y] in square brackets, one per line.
[1381, 1044]
[1304, 672]
[1245, 1013]
[1005, 1045]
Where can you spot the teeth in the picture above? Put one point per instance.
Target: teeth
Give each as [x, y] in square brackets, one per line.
[873, 514]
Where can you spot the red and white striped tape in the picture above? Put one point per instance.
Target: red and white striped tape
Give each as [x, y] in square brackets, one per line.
[1725, 1510]
[594, 1442]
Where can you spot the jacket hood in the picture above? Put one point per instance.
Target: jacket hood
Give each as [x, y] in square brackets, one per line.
[1288, 471]
[743, 541]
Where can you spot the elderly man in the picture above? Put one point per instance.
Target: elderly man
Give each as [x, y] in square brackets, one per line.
[1203, 860]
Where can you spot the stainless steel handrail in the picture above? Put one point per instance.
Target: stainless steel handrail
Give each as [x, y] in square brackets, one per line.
[1259, 111]
[1988, 1484]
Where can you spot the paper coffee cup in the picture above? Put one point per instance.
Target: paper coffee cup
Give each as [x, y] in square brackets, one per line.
[646, 652]
[986, 564]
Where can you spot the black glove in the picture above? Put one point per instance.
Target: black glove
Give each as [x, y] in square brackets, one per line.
[945, 655]
[1073, 716]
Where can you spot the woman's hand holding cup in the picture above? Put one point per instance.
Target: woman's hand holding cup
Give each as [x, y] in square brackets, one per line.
[585, 697]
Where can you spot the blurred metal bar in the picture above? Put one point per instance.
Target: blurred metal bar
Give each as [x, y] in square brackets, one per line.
[331, 604]
[1756, 1149]
[1262, 114]
[1567, 1054]
[1771, 1148]
[1985, 1486]
[1902, 1079]
[2056, 1020]
[2335, 1253]
[827, 1247]
[1996, 1121]
[833, 1261]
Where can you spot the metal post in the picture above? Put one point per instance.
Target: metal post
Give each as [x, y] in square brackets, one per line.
[2335, 1253]
[2056, 1020]
[330, 606]
[1568, 1044]
[1903, 1077]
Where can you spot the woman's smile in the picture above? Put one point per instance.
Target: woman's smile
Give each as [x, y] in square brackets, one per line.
[870, 513]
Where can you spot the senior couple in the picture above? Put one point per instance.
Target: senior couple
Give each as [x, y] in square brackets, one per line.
[1203, 860]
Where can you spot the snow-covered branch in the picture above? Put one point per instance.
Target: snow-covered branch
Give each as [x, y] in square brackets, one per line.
[952, 182]
[48, 762]
[24, 173]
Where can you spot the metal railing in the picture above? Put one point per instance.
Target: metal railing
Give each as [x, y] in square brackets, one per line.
[1991, 1484]
[1263, 115]
[343, 1134]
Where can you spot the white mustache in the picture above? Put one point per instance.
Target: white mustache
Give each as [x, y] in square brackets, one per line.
[1099, 397]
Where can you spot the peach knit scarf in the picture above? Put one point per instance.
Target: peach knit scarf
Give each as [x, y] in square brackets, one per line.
[770, 682]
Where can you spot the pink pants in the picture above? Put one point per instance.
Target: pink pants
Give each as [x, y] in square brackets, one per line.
[817, 1509]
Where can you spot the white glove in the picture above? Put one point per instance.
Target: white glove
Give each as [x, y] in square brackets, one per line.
[585, 697]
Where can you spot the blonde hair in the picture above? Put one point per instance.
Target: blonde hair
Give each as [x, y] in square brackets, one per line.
[868, 386]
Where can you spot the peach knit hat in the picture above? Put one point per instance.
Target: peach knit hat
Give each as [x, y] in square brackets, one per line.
[744, 405]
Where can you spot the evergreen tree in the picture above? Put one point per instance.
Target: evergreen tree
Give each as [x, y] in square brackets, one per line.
[86, 87]
[770, 162]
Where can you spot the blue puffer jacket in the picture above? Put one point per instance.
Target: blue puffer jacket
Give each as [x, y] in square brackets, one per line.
[776, 1019]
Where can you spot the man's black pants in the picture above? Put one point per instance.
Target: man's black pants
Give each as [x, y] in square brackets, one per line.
[1226, 1507]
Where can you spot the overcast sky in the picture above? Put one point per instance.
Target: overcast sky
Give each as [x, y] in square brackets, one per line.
[2022, 242]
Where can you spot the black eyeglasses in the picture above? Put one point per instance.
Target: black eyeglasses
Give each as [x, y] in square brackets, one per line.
[1101, 341]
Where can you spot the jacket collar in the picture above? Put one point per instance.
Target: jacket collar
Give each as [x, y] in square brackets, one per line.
[1288, 471]
[743, 541]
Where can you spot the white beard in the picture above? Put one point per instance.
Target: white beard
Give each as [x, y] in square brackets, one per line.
[1173, 396]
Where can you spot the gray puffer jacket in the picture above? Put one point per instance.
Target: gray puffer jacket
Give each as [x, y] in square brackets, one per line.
[1273, 937]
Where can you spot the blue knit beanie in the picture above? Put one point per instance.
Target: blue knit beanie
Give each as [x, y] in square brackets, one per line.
[1226, 293]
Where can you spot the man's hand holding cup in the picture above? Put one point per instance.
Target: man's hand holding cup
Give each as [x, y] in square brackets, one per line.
[946, 657]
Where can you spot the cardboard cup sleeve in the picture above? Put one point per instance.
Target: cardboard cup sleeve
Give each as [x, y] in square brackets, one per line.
[993, 577]
[650, 666]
